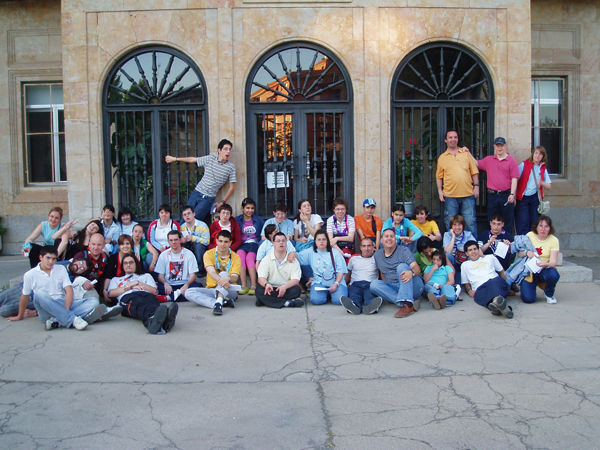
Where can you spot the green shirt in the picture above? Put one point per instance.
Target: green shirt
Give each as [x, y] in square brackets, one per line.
[422, 261]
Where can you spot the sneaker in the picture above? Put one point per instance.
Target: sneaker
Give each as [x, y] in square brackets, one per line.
[252, 290]
[52, 323]
[458, 290]
[406, 310]
[95, 315]
[514, 287]
[79, 323]
[217, 309]
[112, 312]
[244, 290]
[296, 303]
[350, 306]
[417, 304]
[157, 320]
[551, 300]
[162, 298]
[434, 301]
[176, 294]
[443, 300]
[373, 307]
[228, 303]
[169, 323]
[507, 312]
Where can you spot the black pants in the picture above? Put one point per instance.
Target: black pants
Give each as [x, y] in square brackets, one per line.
[272, 300]
[139, 305]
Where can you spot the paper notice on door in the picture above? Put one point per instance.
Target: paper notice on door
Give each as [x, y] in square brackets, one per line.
[501, 250]
[531, 264]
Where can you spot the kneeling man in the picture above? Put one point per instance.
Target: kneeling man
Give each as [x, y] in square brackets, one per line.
[278, 278]
[482, 283]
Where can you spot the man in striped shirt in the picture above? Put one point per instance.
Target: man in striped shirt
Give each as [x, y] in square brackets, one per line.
[217, 171]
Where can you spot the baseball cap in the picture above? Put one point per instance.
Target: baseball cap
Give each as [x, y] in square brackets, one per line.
[369, 202]
[500, 140]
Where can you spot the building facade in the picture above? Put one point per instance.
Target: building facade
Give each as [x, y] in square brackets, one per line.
[321, 99]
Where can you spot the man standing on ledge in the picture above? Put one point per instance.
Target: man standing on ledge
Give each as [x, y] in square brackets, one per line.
[457, 179]
[217, 171]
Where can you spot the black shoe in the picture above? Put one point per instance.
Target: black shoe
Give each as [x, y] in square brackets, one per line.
[217, 309]
[169, 323]
[258, 303]
[296, 303]
[350, 306]
[373, 307]
[228, 303]
[157, 320]
[515, 287]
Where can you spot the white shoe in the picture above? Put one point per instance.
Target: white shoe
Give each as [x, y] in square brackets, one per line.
[458, 290]
[79, 323]
[551, 300]
[176, 294]
[52, 323]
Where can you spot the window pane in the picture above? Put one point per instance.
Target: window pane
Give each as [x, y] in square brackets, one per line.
[550, 90]
[550, 116]
[57, 94]
[551, 140]
[40, 158]
[37, 95]
[63, 157]
[39, 121]
[61, 121]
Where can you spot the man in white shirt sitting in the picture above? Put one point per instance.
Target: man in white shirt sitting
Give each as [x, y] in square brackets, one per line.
[53, 295]
[278, 278]
[485, 282]
[361, 271]
[176, 268]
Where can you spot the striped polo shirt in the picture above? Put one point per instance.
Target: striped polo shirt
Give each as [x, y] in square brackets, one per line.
[216, 174]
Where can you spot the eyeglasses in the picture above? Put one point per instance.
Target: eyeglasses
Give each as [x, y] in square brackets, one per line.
[128, 263]
[340, 209]
[280, 214]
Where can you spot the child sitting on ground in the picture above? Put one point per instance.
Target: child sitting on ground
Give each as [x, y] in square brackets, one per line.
[224, 222]
[439, 282]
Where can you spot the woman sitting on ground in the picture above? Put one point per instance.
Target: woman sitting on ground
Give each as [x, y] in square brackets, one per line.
[77, 241]
[306, 224]
[143, 250]
[424, 255]
[341, 228]
[250, 227]
[158, 229]
[46, 229]
[547, 245]
[455, 240]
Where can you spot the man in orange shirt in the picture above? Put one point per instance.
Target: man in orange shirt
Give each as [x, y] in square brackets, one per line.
[367, 225]
[457, 180]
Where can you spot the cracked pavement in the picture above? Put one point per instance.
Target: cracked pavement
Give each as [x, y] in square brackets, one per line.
[311, 378]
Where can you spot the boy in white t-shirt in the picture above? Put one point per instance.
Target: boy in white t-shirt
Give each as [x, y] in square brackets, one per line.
[176, 269]
[485, 282]
[361, 271]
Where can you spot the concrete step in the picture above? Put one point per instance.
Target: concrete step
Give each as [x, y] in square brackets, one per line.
[572, 273]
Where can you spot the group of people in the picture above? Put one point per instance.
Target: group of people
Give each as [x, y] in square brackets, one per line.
[113, 266]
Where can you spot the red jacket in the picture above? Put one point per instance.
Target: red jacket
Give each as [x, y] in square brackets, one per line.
[522, 183]
[236, 234]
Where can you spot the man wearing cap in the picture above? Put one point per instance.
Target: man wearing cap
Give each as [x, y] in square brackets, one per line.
[457, 179]
[502, 176]
[367, 225]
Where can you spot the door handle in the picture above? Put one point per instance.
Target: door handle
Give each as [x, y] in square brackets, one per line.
[307, 166]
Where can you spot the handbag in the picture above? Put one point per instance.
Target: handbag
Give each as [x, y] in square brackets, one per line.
[544, 206]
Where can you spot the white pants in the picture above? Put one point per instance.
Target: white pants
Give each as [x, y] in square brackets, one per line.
[208, 297]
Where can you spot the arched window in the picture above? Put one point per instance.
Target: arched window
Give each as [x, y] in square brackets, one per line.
[437, 87]
[299, 110]
[154, 104]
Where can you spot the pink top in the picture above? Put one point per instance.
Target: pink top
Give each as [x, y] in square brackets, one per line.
[499, 173]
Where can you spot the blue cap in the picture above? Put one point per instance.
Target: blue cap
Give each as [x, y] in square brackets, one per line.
[369, 202]
[500, 140]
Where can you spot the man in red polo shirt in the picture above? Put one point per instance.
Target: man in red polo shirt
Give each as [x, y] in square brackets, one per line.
[502, 176]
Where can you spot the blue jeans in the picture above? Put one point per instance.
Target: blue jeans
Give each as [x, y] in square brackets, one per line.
[465, 206]
[202, 205]
[495, 204]
[452, 260]
[360, 293]
[199, 249]
[48, 307]
[320, 297]
[549, 275]
[400, 292]
[526, 213]
[446, 290]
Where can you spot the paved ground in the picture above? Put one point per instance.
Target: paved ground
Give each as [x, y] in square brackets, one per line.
[310, 378]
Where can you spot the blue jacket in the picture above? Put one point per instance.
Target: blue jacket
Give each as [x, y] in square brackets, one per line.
[257, 221]
[517, 271]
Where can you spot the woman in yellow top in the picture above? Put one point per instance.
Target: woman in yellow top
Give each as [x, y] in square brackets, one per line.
[426, 224]
[547, 246]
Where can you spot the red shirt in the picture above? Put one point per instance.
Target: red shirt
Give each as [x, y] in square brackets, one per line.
[499, 172]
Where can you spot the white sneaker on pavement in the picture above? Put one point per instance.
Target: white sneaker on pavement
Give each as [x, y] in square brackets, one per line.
[79, 323]
[551, 300]
[52, 323]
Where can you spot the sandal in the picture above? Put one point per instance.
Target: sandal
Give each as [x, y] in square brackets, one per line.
[252, 290]
[244, 290]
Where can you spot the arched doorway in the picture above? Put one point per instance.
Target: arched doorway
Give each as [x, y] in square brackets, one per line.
[299, 115]
[154, 104]
[437, 87]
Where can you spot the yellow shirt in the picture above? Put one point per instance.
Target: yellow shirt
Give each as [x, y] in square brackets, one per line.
[544, 248]
[429, 227]
[209, 260]
[457, 172]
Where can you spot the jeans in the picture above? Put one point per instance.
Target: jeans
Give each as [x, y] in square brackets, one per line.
[360, 291]
[495, 204]
[465, 206]
[399, 293]
[320, 297]
[199, 249]
[446, 290]
[549, 275]
[526, 213]
[202, 205]
[48, 307]
[452, 260]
